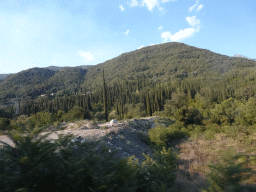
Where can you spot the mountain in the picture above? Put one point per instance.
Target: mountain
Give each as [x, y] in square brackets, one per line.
[175, 63]
[56, 68]
[3, 76]
[160, 63]
[68, 78]
[25, 82]
[53, 68]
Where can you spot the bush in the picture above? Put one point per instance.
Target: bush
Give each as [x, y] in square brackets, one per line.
[40, 119]
[99, 116]
[189, 116]
[134, 111]
[113, 115]
[76, 113]
[226, 112]
[59, 115]
[178, 101]
[21, 120]
[162, 135]
[226, 175]
[4, 124]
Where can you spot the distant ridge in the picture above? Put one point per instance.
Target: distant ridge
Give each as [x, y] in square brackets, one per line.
[3, 76]
[53, 68]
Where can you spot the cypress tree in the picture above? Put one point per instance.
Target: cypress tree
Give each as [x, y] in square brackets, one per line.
[149, 113]
[105, 98]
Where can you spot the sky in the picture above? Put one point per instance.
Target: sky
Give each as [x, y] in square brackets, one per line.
[42, 33]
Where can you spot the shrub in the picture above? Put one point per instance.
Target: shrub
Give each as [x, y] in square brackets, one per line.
[76, 113]
[189, 116]
[99, 116]
[134, 111]
[4, 124]
[113, 115]
[59, 114]
[39, 119]
[226, 112]
[226, 175]
[162, 135]
[21, 120]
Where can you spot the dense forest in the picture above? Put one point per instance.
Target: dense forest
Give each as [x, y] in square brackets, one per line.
[200, 90]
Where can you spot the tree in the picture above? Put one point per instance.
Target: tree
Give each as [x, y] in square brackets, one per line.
[105, 98]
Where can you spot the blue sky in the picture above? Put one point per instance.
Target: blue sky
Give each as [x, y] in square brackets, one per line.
[41, 33]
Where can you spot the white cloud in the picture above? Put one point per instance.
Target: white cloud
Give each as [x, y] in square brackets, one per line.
[161, 27]
[121, 7]
[165, 1]
[193, 7]
[150, 4]
[134, 3]
[200, 7]
[141, 47]
[193, 21]
[126, 32]
[87, 56]
[182, 34]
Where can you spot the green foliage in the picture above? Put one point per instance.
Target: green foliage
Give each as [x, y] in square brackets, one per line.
[201, 103]
[248, 112]
[134, 111]
[99, 116]
[189, 116]
[226, 175]
[59, 114]
[160, 170]
[193, 130]
[40, 119]
[113, 115]
[178, 101]
[21, 120]
[162, 135]
[225, 112]
[4, 124]
[37, 164]
[76, 113]
[164, 121]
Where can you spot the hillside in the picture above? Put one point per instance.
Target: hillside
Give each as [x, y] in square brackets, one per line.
[173, 62]
[25, 82]
[163, 62]
[69, 78]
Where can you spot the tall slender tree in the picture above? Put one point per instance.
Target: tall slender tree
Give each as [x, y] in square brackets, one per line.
[105, 98]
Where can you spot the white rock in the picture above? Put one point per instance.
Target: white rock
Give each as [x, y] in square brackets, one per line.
[113, 121]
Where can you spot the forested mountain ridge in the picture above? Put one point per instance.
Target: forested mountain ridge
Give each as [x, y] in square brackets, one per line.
[164, 62]
[25, 82]
[175, 63]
